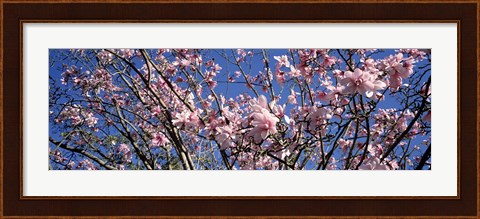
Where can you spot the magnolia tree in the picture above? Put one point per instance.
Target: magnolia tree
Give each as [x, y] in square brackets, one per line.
[229, 109]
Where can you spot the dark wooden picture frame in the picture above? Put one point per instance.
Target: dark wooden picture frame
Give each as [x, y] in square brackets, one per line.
[14, 13]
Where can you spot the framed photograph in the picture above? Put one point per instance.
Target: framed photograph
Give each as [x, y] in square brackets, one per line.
[234, 109]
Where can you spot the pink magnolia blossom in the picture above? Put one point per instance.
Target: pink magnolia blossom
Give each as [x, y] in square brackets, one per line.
[105, 56]
[91, 120]
[307, 73]
[186, 119]
[360, 81]
[416, 53]
[242, 54]
[264, 123]
[373, 163]
[159, 139]
[294, 72]
[225, 137]
[292, 98]
[237, 73]
[278, 110]
[397, 68]
[57, 155]
[127, 53]
[280, 77]
[323, 96]
[185, 62]
[260, 104]
[318, 117]
[70, 165]
[376, 150]
[156, 110]
[282, 61]
[87, 164]
[328, 61]
[125, 151]
[332, 164]
[217, 67]
[369, 63]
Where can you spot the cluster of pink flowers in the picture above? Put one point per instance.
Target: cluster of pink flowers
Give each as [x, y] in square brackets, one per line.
[159, 139]
[86, 164]
[125, 152]
[127, 53]
[317, 119]
[73, 70]
[105, 56]
[186, 120]
[225, 137]
[76, 116]
[398, 68]
[360, 81]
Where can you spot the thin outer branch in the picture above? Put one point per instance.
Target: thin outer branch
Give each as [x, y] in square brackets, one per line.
[83, 152]
[417, 116]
